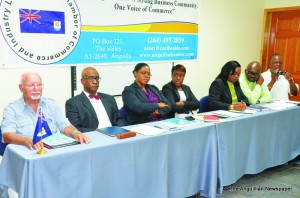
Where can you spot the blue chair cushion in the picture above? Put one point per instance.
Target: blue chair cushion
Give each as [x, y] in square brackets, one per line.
[203, 104]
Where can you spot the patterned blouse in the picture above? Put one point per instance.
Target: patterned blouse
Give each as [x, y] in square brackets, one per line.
[152, 98]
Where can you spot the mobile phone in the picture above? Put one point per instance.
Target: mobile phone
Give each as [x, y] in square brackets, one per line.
[189, 118]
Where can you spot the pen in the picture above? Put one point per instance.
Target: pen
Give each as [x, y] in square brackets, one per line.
[158, 127]
[174, 128]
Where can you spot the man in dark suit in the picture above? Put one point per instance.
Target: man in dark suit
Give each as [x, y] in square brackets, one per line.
[91, 109]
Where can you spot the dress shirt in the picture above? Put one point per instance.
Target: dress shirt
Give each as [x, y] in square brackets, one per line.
[100, 111]
[20, 118]
[254, 91]
[281, 87]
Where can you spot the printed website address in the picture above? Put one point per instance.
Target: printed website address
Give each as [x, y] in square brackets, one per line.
[165, 55]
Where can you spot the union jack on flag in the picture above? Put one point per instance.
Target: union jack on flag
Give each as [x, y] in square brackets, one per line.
[42, 21]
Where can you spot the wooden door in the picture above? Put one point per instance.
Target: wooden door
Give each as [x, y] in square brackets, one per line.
[284, 38]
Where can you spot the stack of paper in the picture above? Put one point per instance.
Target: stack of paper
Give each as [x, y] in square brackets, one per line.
[225, 113]
[58, 140]
[258, 108]
[147, 130]
[279, 105]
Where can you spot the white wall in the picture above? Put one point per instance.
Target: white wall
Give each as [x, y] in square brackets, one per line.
[229, 30]
[281, 3]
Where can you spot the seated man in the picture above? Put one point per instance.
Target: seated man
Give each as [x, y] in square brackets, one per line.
[20, 116]
[280, 84]
[252, 84]
[91, 110]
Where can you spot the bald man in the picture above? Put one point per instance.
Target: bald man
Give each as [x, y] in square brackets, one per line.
[91, 109]
[280, 85]
[252, 84]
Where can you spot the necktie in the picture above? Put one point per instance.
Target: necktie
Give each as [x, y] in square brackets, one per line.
[97, 97]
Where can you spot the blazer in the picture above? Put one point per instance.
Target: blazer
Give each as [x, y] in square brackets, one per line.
[171, 93]
[137, 106]
[220, 98]
[80, 112]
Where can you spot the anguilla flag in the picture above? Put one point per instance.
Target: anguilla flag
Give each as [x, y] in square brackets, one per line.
[42, 21]
[41, 128]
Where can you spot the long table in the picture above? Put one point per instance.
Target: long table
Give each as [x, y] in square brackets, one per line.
[252, 143]
[203, 157]
[173, 164]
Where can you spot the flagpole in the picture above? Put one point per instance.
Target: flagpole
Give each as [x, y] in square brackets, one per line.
[42, 150]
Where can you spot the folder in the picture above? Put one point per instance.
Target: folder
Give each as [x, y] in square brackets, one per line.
[58, 140]
[112, 131]
[211, 118]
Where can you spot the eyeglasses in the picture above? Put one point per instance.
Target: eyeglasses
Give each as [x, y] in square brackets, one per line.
[178, 76]
[38, 85]
[252, 73]
[276, 62]
[145, 74]
[91, 78]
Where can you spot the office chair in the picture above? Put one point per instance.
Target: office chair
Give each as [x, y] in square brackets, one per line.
[203, 104]
[123, 113]
[2, 145]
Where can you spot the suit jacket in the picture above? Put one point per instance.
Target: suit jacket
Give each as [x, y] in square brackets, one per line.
[172, 95]
[80, 112]
[220, 98]
[137, 106]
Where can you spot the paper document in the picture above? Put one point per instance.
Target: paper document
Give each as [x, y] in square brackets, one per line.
[226, 113]
[246, 111]
[177, 122]
[59, 140]
[280, 104]
[147, 130]
[258, 107]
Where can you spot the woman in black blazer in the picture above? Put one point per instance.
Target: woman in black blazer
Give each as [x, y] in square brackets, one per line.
[225, 92]
[179, 95]
[144, 102]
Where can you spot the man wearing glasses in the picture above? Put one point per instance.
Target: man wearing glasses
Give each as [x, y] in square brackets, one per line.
[279, 83]
[252, 84]
[20, 117]
[91, 109]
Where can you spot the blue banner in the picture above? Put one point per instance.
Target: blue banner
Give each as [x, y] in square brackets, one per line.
[42, 21]
[108, 47]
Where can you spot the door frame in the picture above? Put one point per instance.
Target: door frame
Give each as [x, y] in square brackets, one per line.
[264, 56]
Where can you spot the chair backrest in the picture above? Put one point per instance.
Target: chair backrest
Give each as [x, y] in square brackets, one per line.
[123, 113]
[203, 104]
[2, 145]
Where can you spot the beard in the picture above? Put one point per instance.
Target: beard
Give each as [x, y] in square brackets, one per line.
[35, 97]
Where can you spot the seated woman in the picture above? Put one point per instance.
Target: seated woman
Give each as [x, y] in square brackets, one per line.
[144, 102]
[225, 92]
[179, 95]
